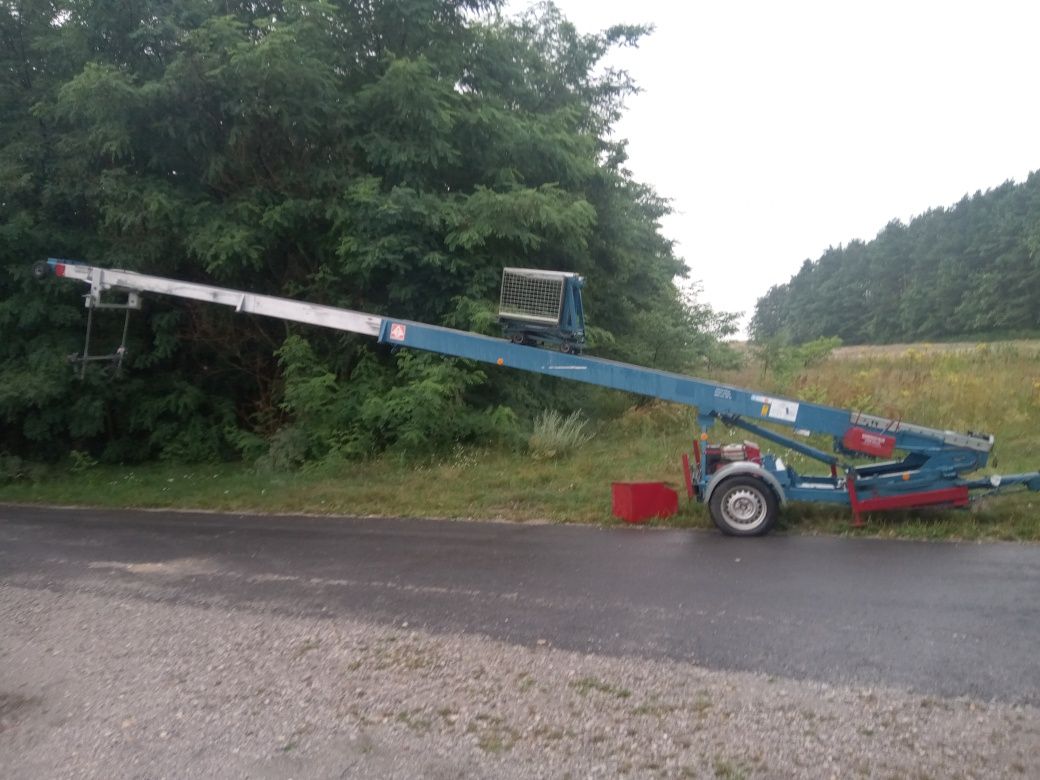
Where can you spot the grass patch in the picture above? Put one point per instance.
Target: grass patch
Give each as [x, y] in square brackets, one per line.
[493, 734]
[305, 647]
[414, 721]
[653, 709]
[995, 389]
[585, 685]
[702, 704]
[728, 770]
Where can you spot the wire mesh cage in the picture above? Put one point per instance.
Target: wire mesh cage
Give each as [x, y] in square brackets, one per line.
[531, 295]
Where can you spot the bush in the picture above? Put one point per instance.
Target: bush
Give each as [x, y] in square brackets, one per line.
[784, 361]
[11, 468]
[15, 469]
[80, 461]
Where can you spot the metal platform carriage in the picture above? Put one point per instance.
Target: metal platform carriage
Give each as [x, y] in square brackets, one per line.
[542, 307]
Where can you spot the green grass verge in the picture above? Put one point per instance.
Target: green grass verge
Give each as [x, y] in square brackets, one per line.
[494, 487]
[472, 482]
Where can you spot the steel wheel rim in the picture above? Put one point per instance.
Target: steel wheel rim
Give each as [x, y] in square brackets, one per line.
[744, 508]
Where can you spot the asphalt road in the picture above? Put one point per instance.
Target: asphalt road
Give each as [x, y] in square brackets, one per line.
[942, 618]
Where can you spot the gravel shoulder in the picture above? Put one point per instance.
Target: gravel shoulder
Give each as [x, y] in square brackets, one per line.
[96, 684]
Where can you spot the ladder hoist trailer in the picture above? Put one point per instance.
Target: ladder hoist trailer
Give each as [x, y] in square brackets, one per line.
[743, 488]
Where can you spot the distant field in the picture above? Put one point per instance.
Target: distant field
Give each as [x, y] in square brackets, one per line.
[993, 388]
[1024, 346]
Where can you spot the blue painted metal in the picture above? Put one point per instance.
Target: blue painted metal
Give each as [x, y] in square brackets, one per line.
[786, 441]
[568, 332]
[767, 472]
[718, 398]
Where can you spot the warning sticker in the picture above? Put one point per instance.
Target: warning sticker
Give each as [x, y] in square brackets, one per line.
[397, 331]
[777, 408]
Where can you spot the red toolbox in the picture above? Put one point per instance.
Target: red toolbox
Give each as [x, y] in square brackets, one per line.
[637, 502]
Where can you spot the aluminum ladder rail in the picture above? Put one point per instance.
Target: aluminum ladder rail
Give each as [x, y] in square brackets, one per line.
[104, 279]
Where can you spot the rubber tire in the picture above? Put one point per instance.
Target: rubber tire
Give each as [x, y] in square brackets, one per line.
[41, 269]
[756, 491]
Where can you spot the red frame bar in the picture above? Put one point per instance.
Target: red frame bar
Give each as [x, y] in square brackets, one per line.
[687, 475]
[954, 496]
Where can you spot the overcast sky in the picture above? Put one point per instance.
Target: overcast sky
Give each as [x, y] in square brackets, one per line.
[778, 129]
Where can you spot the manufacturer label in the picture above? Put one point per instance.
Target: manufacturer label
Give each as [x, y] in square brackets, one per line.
[777, 408]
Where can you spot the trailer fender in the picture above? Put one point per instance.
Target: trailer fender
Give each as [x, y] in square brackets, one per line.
[750, 469]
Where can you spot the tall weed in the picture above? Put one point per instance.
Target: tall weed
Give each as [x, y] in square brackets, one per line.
[555, 435]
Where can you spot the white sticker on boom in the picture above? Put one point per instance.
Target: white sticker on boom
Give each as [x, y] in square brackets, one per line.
[777, 408]
[397, 331]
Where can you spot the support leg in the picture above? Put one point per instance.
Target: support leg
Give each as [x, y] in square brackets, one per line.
[857, 517]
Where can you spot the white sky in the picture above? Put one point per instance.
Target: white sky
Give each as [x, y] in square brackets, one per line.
[778, 129]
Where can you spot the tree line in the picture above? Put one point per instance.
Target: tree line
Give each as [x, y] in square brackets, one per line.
[972, 270]
[389, 156]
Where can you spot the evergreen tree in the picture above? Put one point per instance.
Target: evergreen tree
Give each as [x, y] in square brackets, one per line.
[970, 270]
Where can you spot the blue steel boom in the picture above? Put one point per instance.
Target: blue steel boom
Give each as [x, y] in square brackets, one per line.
[743, 488]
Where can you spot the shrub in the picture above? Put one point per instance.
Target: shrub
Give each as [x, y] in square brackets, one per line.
[11, 468]
[784, 361]
[80, 461]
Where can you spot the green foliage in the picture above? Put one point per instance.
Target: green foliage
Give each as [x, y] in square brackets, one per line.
[15, 469]
[784, 361]
[11, 468]
[556, 435]
[80, 461]
[388, 156]
[426, 408]
[418, 403]
[971, 270]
